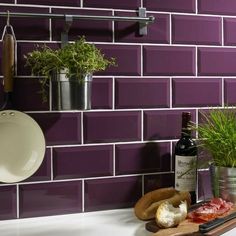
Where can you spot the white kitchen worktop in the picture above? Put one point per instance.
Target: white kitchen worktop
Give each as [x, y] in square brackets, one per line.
[102, 223]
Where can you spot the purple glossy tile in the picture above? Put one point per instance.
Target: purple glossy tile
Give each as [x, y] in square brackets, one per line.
[124, 54]
[44, 171]
[204, 185]
[25, 29]
[142, 158]
[216, 61]
[101, 93]
[229, 91]
[207, 30]
[186, 92]
[76, 162]
[157, 32]
[60, 128]
[7, 202]
[112, 126]
[23, 49]
[229, 31]
[121, 4]
[163, 124]
[168, 60]
[112, 193]
[25, 88]
[92, 30]
[47, 199]
[142, 93]
[170, 5]
[72, 3]
[217, 7]
[153, 182]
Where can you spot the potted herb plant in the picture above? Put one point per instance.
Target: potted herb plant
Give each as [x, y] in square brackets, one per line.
[70, 71]
[217, 135]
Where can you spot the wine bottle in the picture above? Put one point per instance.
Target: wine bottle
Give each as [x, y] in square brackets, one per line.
[186, 159]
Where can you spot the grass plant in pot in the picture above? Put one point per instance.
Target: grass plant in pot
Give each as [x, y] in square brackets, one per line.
[70, 71]
[217, 135]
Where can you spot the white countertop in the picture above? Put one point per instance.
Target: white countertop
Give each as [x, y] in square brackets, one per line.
[102, 223]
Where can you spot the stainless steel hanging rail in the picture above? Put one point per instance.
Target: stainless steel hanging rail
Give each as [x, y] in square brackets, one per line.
[82, 17]
[142, 19]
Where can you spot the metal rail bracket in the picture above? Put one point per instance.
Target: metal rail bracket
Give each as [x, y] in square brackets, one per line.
[64, 34]
[142, 25]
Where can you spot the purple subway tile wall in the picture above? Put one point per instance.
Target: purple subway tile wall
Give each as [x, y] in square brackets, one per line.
[75, 162]
[171, 5]
[207, 30]
[229, 92]
[146, 93]
[186, 62]
[168, 60]
[217, 7]
[50, 198]
[8, 207]
[126, 192]
[121, 4]
[186, 92]
[229, 32]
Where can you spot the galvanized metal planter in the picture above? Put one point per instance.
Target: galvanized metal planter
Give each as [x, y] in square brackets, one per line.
[223, 182]
[71, 93]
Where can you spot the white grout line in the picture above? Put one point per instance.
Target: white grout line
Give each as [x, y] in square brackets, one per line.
[141, 61]
[171, 159]
[171, 91]
[170, 29]
[114, 159]
[17, 202]
[142, 126]
[51, 152]
[113, 27]
[196, 6]
[196, 61]
[223, 92]
[82, 127]
[81, 3]
[113, 93]
[83, 197]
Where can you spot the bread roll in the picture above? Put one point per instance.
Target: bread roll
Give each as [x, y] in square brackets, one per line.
[146, 207]
[168, 216]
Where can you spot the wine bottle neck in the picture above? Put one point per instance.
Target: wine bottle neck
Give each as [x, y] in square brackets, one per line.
[186, 132]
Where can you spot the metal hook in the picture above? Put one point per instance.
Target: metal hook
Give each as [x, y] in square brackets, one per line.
[8, 18]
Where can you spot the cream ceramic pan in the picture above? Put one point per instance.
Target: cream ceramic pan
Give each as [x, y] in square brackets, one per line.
[22, 146]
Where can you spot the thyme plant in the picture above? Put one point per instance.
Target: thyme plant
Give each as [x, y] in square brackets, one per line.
[76, 59]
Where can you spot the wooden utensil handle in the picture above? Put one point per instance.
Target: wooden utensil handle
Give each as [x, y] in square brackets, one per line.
[8, 61]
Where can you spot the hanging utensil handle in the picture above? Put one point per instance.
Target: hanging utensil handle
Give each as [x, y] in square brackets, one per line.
[8, 61]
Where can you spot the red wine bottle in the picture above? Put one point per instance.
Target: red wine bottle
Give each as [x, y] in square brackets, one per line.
[186, 159]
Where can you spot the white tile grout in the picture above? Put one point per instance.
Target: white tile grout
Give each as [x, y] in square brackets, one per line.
[17, 202]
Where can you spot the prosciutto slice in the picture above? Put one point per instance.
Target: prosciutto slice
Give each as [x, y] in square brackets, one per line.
[210, 210]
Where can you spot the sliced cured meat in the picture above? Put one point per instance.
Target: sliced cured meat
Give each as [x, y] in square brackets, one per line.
[210, 210]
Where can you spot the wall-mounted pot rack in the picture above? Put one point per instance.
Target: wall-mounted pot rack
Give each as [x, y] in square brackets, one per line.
[142, 19]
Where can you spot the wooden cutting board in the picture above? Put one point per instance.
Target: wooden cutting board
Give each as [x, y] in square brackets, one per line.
[187, 227]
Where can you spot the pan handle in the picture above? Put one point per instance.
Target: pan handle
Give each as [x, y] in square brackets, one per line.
[8, 62]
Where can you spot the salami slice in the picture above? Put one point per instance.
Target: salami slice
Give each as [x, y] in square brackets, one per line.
[210, 210]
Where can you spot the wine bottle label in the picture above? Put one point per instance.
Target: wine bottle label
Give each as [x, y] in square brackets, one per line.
[185, 174]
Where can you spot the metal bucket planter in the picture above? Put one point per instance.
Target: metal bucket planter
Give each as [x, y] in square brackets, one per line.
[223, 182]
[71, 93]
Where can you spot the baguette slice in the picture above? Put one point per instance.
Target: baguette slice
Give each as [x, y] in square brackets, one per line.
[169, 216]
